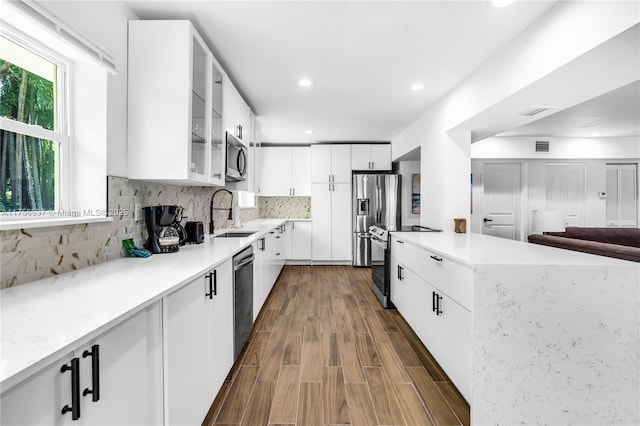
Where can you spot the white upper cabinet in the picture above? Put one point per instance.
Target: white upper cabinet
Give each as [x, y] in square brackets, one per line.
[174, 105]
[371, 157]
[331, 163]
[286, 171]
[236, 114]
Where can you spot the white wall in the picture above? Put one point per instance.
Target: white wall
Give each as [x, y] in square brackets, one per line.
[559, 148]
[407, 169]
[104, 23]
[567, 32]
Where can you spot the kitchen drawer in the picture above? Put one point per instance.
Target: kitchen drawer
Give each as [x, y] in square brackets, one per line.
[450, 277]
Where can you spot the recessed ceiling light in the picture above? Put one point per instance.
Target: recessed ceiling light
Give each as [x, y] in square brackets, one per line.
[305, 82]
[501, 3]
[417, 86]
[309, 132]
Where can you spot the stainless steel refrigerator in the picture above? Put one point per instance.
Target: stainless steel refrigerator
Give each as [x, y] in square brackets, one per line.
[376, 201]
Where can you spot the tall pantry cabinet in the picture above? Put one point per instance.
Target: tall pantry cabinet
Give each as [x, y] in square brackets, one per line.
[331, 202]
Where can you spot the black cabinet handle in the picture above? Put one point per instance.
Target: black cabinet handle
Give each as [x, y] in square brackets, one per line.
[434, 303]
[400, 277]
[262, 244]
[436, 258]
[400, 242]
[209, 278]
[487, 220]
[94, 353]
[75, 388]
[215, 282]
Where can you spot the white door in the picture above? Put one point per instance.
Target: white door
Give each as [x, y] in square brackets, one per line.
[360, 157]
[341, 231]
[381, 156]
[501, 200]
[321, 221]
[566, 191]
[220, 327]
[129, 373]
[301, 171]
[187, 374]
[622, 201]
[320, 163]
[276, 177]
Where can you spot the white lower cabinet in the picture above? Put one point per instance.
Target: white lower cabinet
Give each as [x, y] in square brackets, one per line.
[39, 399]
[114, 380]
[442, 324]
[198, 344]
[299, 240]
[258, 275]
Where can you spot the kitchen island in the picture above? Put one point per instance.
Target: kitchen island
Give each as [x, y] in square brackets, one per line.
[554, 333]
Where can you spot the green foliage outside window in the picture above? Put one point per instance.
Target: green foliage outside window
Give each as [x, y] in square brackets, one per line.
[27, 164]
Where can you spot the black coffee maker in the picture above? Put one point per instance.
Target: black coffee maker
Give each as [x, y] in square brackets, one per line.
[163, 236]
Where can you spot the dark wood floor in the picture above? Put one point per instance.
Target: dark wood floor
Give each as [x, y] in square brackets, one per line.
[324, 352]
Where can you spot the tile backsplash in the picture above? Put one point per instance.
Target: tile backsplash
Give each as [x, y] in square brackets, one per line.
[285, 207]
[31, 254]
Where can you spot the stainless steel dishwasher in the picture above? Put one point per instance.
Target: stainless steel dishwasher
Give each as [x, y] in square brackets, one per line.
[243, 299]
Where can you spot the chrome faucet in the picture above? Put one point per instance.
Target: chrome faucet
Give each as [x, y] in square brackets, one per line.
[211, 209]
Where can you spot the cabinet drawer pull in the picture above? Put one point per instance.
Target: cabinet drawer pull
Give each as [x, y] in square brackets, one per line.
[75, 388]
[278, 254]
[210, 278]
[94, 353]
[438, 299]
[262, 244]
[400, 276]
[433, 301]
[400, 241]
[436, 258]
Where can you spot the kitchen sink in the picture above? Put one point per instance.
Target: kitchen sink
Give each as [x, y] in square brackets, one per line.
[235, 234]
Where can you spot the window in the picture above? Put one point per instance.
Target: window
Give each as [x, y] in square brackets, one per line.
[246, 200]
[33, 134]
[54, 121]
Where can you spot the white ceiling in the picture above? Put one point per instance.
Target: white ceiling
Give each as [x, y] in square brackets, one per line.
[362, 56]
[614, 114]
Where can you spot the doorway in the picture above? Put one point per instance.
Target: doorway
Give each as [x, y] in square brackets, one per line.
[502, 200]
[566, 191]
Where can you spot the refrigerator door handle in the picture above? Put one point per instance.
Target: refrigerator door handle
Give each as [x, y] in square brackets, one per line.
[378, 204]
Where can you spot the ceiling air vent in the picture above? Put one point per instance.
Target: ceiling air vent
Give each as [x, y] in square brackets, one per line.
[542, 146]
[531, 111]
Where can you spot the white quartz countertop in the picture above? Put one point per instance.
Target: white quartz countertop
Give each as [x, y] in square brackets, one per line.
[43, 320]
[478, 249]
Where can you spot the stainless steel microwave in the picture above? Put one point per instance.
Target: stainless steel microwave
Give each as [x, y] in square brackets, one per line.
[236, 159]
